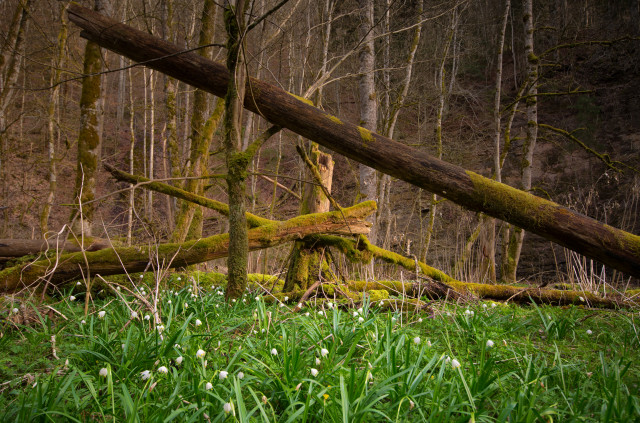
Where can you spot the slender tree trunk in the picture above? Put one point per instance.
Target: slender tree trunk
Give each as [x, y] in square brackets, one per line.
[189, 217]
[236, 162]
[368, 100]
[516, 238]
[54, 97]
[89, 139]
[132, 144]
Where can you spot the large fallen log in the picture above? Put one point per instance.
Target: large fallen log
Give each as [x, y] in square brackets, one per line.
[137, 259]
[23, 247]
[611, 246]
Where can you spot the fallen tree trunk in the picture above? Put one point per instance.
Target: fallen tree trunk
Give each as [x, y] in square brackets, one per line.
[23, 247]
[252, 220]
[611, 246]
[137, 259]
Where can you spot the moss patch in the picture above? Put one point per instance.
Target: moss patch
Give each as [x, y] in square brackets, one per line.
[365, 134]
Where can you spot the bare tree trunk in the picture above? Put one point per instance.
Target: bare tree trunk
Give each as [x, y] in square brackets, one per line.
[132, 144]
[52, 133]
[488, 235]
[516, 237]
[189, 217]
[368, 100]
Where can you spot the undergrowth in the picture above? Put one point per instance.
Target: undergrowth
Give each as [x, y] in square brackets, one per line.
[206, 360]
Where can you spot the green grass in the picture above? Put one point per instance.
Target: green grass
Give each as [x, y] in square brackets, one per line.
[344, 365]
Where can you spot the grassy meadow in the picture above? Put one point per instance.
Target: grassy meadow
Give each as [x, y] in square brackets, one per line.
[255, 360]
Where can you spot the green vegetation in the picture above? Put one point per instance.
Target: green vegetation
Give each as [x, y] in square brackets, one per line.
[253, 359]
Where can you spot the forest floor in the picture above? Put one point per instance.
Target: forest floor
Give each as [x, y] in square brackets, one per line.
[256, 360]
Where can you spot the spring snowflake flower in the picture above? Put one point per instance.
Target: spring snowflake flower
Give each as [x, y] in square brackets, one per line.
[78, 283]
[160, 328]
[102, 314]
[83, 322]
[455, 363]
[416, 340]
[147, 317]
[179, 278]
[163, 370]
[286, 298]
[240, 375]
[589, 332]
[355, 314]
[330, 305]
[134, 315]
[489, 343]
[321, 313]
[360, 310]
[324, 352]
[169, 302]
[145, 375]
[186, 305]
[318, 361]
[468, 312]
[227, 407]
[274, 351]
[198, 322]
[582, 299]
[223, 375]
[420, 320]
[307, 314]
[200, 353]
[360, 319]
[428, 343]
[208, 386]
[103, 372]
[493, 305]
[179, 360]
[314, 372]
[72, 298]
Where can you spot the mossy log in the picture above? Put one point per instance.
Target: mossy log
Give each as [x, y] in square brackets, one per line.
[252, 220]
[137, 259]
[611, 246]
[23, 247]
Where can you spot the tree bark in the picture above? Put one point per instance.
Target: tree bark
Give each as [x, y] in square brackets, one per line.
[23, 247]
[610, 246]
[137, 259]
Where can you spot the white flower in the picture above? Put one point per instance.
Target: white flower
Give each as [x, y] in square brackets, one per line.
[493, 305]
[240, 375]
[484, 306]
[420, 320]
[200, 354]
[299, 305]
[179, 278]
[360, 319]
[160, 328]
[428, 343]
[589, 332]
[286, 298]
[102, 314]
[78, 283]
[83, 322]
[393, 319]
[307, 314]
[355, 314]
[179, 360]
[582, 299]
[233, 300]
[468, 312]
[208, 386]
[314, 372]
[330, 305]
[163, 370]
[257, 298]
[274, 351]
[14, 310]
[321, 313]
[141, 276]
[186, 305]
[72, 298]
[281, 305]
[169, 302]
[223, 375]
[416, 340]
[455, 363]
[147, 317]
[360, 310]
[227, 407]
[134, 315]
[324, 352]
[198, 322]
[103, 372]
[66, 363]
[145, 375]
[318, 361]
[489, 343]
[123, 346]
